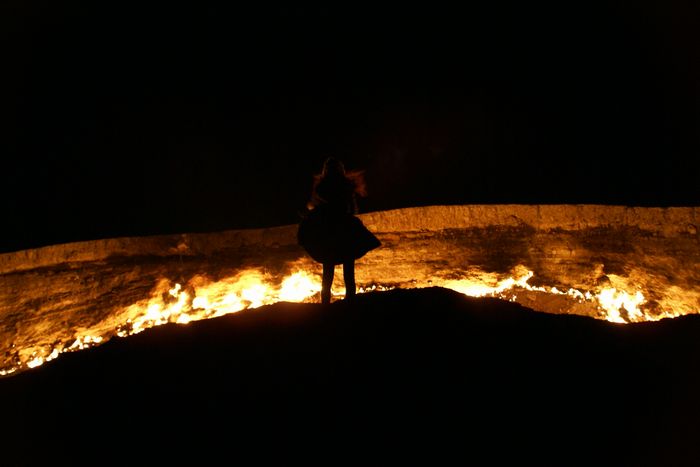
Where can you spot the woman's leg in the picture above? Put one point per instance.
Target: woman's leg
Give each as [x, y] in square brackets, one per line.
[327, 282]
[349, 278]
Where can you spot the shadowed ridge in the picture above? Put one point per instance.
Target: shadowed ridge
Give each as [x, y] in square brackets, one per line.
[407, 375]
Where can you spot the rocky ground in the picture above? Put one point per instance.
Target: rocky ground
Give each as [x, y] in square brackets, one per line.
[424, 376]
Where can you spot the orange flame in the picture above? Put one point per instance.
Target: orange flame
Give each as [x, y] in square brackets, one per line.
[203, 298]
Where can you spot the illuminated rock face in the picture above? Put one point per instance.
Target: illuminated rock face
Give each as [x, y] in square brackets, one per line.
[643, 263]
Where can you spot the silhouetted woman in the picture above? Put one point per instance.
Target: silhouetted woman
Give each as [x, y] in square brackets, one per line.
[330, 232]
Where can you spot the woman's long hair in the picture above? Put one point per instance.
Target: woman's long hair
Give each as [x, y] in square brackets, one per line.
[333, 167]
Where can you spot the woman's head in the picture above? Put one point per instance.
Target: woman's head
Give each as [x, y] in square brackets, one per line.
[334, 172]
[333, 166]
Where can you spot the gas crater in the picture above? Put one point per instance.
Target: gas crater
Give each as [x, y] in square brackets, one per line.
[616, 263]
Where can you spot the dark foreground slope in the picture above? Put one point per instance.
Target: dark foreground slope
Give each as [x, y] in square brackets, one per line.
[421, 376]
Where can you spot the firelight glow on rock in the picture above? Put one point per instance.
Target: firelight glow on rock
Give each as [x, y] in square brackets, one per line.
[619, 264]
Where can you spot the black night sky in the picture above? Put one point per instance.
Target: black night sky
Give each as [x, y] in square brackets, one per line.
[123, 118]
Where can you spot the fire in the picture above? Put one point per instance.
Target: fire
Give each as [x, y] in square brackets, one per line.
[202, 298]
[489, 284]
[616, 302]
[80, 343]
[616, 305]
[298, 287]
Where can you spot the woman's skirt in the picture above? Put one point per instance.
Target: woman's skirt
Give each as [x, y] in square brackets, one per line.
[335, 238]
